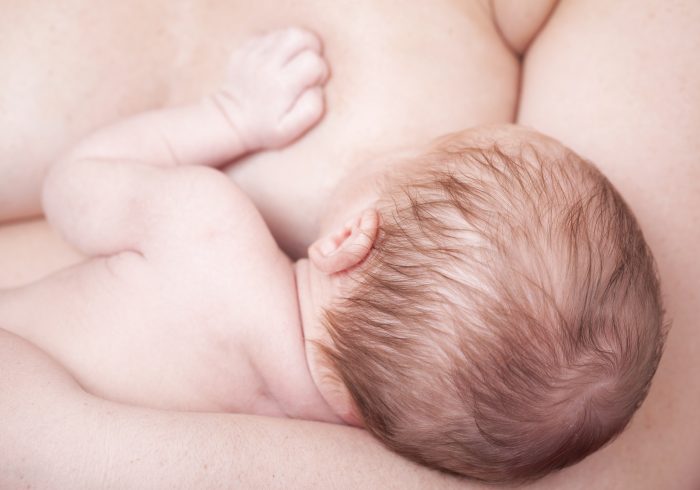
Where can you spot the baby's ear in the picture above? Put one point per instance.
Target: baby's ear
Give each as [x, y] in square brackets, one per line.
[348, 246]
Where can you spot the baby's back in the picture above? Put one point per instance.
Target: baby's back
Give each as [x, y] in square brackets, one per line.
[167, 329]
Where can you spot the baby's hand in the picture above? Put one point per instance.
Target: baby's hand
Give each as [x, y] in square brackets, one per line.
[274, 88]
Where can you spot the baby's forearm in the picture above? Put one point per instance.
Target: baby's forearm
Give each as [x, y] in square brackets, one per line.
[196, 134]
[272, 95]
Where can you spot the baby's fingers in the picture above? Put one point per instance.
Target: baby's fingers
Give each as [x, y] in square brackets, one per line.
[288, 43]
[303, 115]
[304, 71]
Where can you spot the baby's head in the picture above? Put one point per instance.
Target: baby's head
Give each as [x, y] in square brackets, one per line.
[505, 319]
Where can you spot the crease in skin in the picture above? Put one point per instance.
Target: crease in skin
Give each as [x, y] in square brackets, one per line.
[508, 19]
[20, 248]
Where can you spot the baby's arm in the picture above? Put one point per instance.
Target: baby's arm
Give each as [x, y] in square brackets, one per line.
[108, 194]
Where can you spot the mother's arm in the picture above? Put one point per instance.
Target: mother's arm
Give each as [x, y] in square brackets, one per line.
[619, 82]
[54, 435]
[618, 85]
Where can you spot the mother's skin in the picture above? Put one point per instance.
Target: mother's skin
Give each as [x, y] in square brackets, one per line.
[617, 82]
[395, 82]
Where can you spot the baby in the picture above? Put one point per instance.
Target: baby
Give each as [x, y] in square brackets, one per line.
[485, 306]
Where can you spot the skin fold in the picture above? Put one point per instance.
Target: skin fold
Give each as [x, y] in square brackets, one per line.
[617, 82]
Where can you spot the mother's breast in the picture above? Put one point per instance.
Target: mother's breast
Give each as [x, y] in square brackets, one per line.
[400, 77]
[403, 72]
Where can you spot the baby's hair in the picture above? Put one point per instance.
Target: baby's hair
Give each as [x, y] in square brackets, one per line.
[507, 321]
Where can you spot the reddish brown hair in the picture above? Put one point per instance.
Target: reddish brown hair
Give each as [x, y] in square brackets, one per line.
[508, 320]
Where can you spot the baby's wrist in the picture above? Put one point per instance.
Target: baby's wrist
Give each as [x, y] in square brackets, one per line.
[235, 126]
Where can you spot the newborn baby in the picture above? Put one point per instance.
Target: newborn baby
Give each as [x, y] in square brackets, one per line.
[487, 306]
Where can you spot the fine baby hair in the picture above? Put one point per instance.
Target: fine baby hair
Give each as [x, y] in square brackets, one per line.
[507, 321]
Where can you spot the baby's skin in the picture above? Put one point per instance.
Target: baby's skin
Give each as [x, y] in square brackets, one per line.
[187, 302]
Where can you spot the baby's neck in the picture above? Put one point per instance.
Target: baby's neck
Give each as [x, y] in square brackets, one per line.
[279, 357]
[315, 290]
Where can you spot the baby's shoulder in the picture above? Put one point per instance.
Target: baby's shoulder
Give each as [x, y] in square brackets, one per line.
[211, 238]
[203, 198]
[201, 212]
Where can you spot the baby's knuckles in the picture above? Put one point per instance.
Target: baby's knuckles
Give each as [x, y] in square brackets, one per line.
[266, 91]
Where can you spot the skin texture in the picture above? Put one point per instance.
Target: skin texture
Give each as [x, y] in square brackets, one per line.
[176, 54]
[136, 199]
[112, 446]
[146, 320]
[107, 445]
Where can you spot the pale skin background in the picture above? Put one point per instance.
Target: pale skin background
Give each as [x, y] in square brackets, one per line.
[619, 82]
